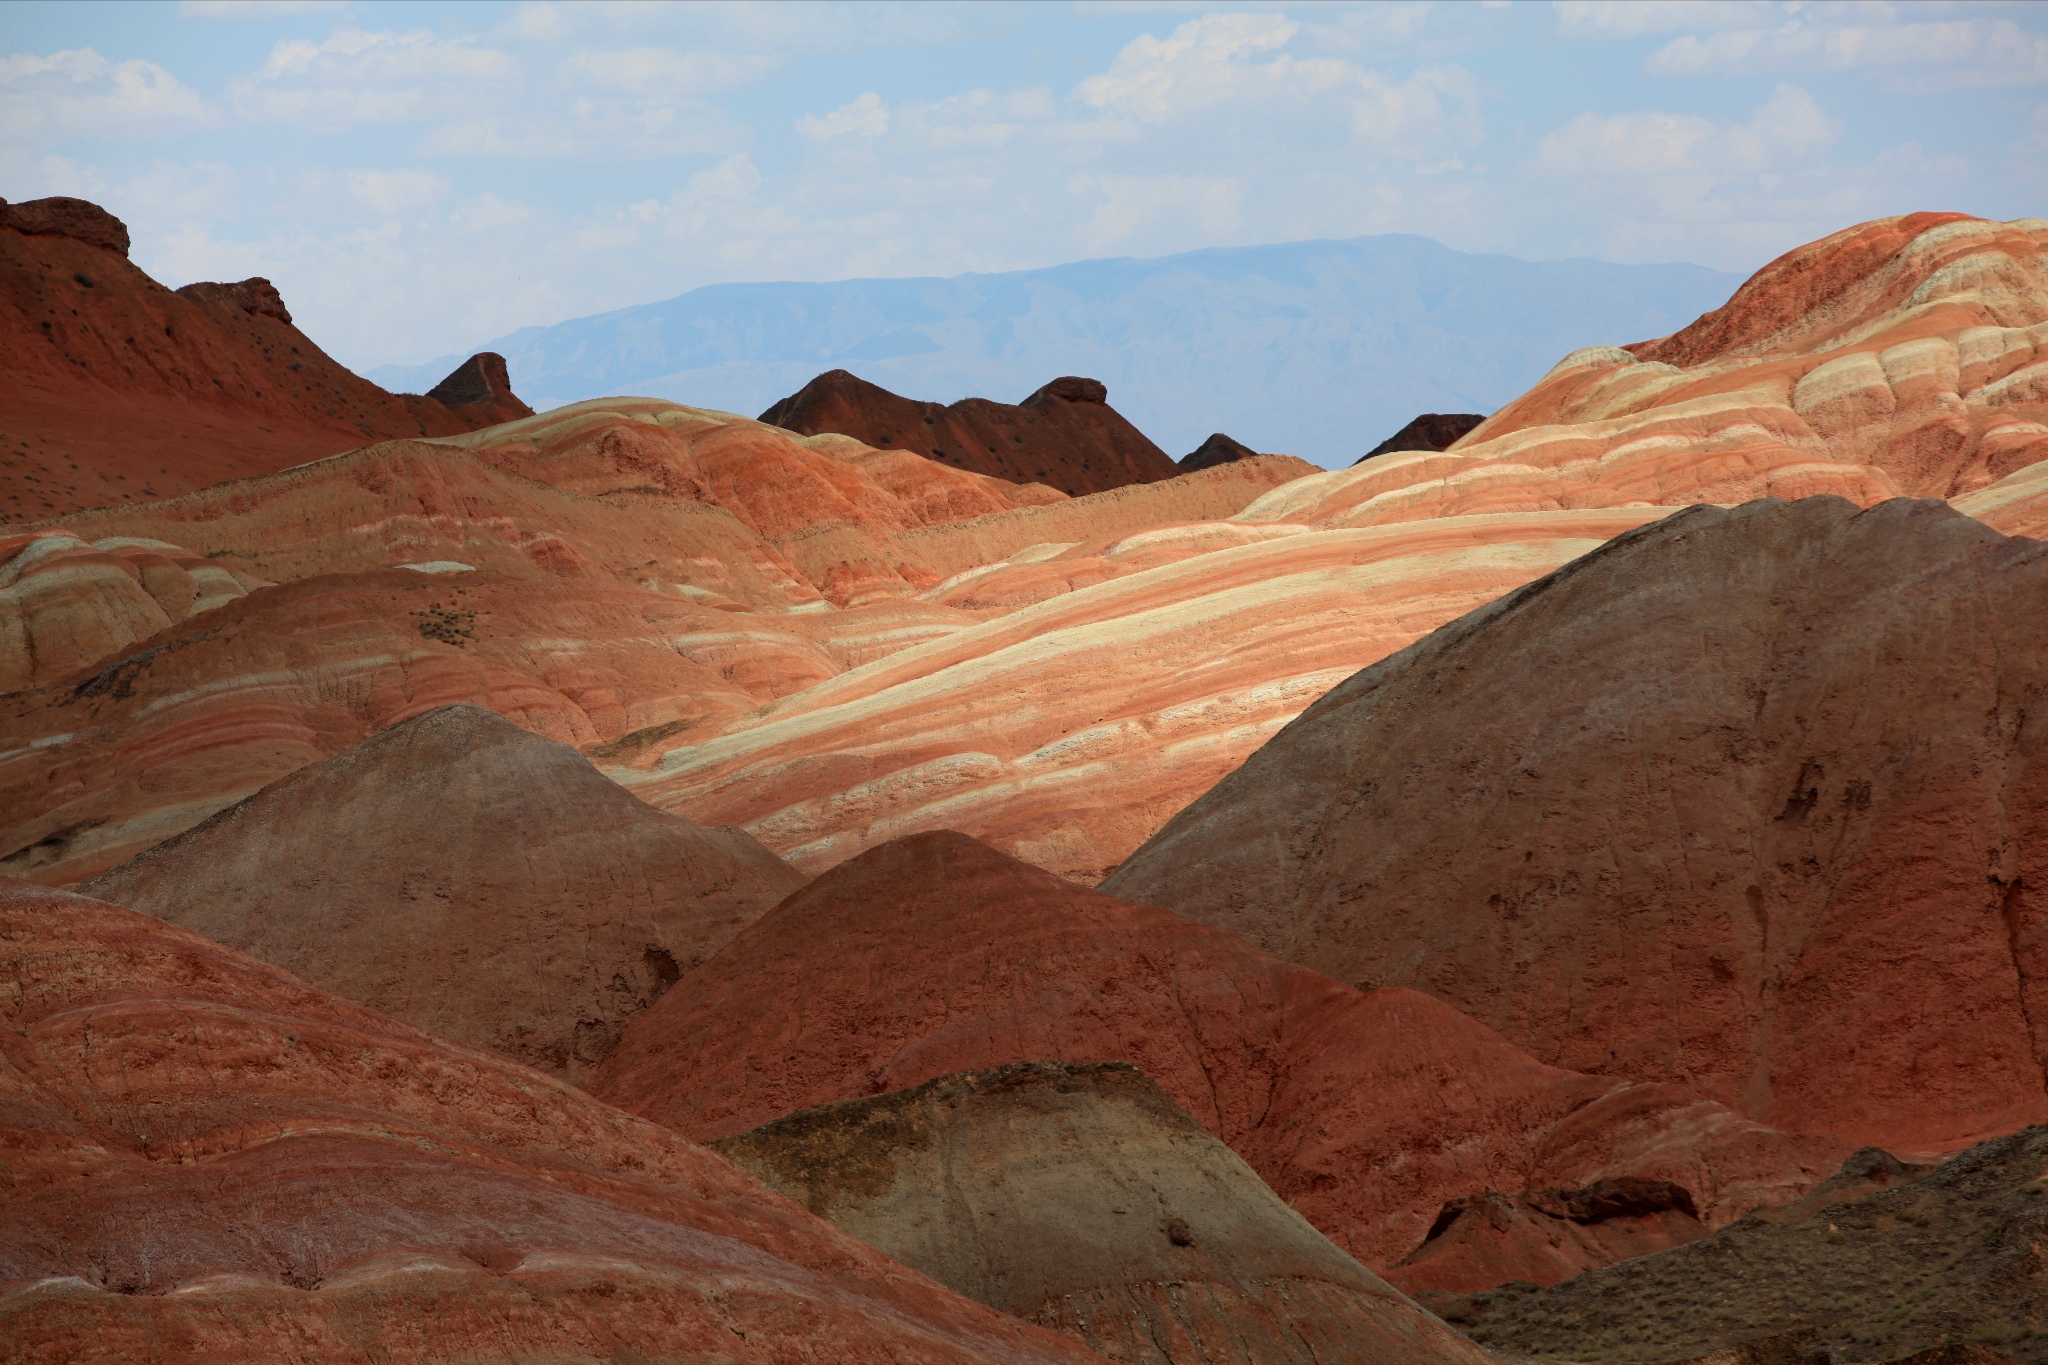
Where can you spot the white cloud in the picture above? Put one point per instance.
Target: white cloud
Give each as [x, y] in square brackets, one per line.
[1201, 62]
[1127, 205]
[253, 9]
[356, 77]
[79, 93]
[654, 70]
[393, 192]
[1634, 18]
[866, 116]
[1976, 52]
[1787, 129]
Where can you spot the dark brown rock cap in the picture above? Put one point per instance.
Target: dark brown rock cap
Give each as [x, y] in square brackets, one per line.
[255, 296]
[483, 378]
[60, 216]
[1429, 431]
[1071, 388]
[1218, 449]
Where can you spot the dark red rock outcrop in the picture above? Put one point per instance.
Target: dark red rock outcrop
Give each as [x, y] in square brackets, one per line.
[1545, 1236]
[1750, 800]
[59, 216]
[115, 389]
[1430, 431]
[1365, 1111]
[1218, 449]
[1082, 1198]
[209, 1161]
[255, 296]
[468, 877]
[1065, 435]
[482, 386]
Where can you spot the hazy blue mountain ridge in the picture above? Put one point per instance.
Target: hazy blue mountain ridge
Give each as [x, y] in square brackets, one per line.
[1318, 349]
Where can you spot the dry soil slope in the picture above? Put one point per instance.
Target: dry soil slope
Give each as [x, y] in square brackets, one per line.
[1365, 1111]
[468, 877]
[209, 1161]
[1951, 1257]
[1750, 800]
[1081, 1198]
[118, 389]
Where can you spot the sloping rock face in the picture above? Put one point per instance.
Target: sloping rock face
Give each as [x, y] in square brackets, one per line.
[1081, 1198]
[1917, 1269]
[468, 877]
[612, 614]
[117, 390]
[1364, 1111]
[1430, 431]
[1218, 449]
[209, 1160]
[1750, 800]
[1545, 1236]
[1065, 435]
[1122, 680]
[1914, 345]
[480, 387]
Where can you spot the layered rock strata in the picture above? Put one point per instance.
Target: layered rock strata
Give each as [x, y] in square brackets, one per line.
[208, 1159]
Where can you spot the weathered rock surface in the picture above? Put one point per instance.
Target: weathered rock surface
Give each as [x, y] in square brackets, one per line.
[1122, 681]
[1082, 1198]
[1919, 1268]
[1546, 1236]
[481, 385]
[1366, 1112]
[61, 216]
[1751, 801]
[65, 603]
[115, 389]
[1065, 435]
[1218, 449]
[120, 753]
[208, 1160]
[1429, 431]
[468, 877]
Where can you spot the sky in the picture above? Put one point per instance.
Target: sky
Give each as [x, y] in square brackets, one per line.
[417, 178]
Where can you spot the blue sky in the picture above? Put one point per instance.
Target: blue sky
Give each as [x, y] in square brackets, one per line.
[417, 178]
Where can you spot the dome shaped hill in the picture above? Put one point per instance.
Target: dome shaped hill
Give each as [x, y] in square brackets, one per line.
[1752, 800]
[468, 877]
[209, 1160]
[1366, 1112]
[1081, 1198]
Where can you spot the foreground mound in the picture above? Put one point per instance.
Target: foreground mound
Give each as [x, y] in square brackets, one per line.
[1065, 435]
[1748, 800]
[208, 1160]
[936, 954]
[1952, 1256]
[468, 877]
[118, 389]
[1083, 1199]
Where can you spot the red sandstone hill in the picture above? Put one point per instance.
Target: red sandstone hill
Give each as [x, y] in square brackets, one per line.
[1065, 435]
[1749, 800]
[468, 877]
[1365, 1111]
[208, 1161]
[116, 389]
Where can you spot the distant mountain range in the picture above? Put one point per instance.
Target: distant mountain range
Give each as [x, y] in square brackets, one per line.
[1318, 349]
